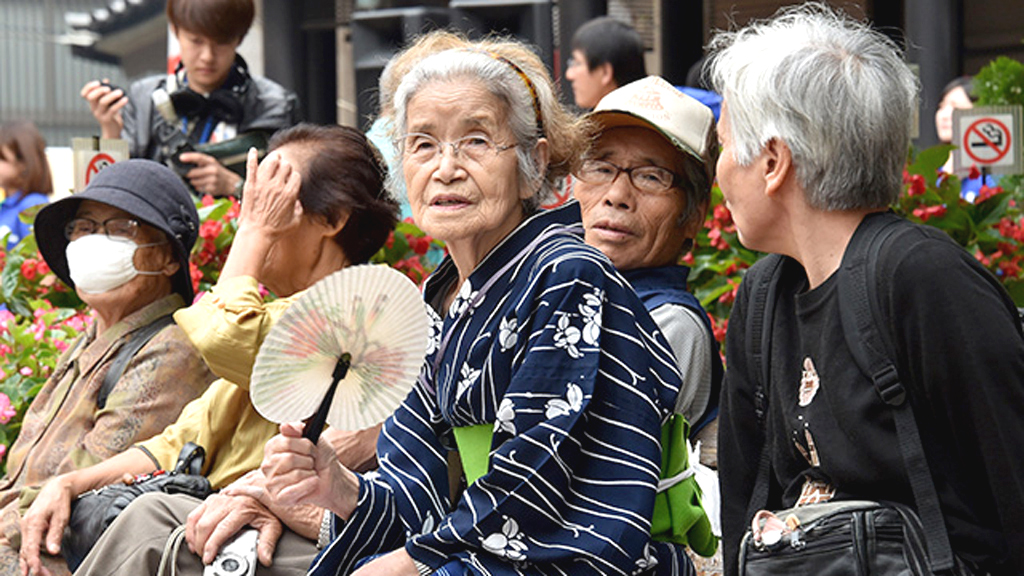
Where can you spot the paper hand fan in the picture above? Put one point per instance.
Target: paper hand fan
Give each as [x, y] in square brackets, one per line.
[348, 349]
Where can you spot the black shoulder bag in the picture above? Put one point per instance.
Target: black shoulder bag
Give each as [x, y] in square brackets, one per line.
[847, 538]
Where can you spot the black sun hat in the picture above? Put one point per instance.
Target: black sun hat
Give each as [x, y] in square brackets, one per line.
[147, 190]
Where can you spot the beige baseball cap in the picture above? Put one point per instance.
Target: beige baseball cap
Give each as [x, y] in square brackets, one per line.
[652, 102]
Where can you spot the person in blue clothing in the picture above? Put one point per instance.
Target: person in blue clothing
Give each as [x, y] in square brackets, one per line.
[24, 176]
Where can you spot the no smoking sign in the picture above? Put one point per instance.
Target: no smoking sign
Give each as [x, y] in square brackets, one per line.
[98, 162]
[988, 137]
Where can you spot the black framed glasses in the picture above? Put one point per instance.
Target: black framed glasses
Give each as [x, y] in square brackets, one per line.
[478, 148]
[113, 228]
[649, 179]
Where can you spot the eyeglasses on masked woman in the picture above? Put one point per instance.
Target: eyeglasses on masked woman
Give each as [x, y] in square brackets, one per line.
[114, 228]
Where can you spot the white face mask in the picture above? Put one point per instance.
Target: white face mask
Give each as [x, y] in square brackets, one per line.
[98, 263]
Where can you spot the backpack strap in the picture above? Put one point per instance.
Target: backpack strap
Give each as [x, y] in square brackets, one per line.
[758, 342]
[126, 353]
[860, 315]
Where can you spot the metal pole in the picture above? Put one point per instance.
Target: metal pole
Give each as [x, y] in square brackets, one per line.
[934, 38]
[571, 15]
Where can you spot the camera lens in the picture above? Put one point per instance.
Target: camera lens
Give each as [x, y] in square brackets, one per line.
[231, 565]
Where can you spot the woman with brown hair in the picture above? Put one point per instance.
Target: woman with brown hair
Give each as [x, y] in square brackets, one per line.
[24, 176]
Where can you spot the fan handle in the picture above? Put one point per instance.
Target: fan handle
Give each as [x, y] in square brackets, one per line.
[315, 424]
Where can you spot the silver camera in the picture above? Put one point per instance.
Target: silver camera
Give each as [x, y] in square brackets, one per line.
[237, 557]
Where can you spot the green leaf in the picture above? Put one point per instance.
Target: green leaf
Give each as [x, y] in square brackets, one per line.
[1016, 290]
[214, 211]
[10, 278]
[929, 161]
[991, 211]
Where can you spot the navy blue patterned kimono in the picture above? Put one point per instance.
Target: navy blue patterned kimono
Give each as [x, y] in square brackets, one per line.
[550, 346]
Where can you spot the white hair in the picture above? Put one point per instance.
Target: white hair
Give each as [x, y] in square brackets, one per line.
[835, 91]
[503, 81]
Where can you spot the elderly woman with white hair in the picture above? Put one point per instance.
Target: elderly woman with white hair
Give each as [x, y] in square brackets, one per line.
[815, 130]
[544, 359]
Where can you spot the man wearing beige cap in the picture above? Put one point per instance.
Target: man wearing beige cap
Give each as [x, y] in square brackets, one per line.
[643, 193]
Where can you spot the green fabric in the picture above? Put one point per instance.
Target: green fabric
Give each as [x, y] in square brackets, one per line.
[475, 449]
[678, 515]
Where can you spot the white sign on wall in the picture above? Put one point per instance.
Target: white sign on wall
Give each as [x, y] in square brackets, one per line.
[90, 155]
[988, 137]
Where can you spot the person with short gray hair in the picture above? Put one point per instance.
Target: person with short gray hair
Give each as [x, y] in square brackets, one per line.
[838, 94]
[815, 133]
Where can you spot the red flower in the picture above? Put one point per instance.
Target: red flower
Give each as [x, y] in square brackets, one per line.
[927, 212]
[730, 296]
[688, 259]
[719, 327]
[196, 275]
[232, 212]
[917, 187]
[715, 239]
[210, 229]
[390, 242]
[722, 215]
[1011, 268]
[986, 192]
[28, 268]
[419, 245]
[974, 173]
[42, 268]
[206, 200]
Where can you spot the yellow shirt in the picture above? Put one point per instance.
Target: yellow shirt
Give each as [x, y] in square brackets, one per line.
[227, 325]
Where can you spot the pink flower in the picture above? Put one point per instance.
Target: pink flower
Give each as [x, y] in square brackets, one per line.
[6, 412]
[76, 323]
[7, 319]
[3, 450]
[25, 371]
[5, 349]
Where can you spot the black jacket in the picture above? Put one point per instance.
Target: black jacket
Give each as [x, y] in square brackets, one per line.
[266, 107]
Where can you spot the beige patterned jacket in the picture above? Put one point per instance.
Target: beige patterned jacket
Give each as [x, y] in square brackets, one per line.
[64, 430]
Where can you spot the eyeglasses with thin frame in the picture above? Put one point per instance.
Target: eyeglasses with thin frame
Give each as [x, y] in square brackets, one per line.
[112, 227]
[478, 148]
[649, 179]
